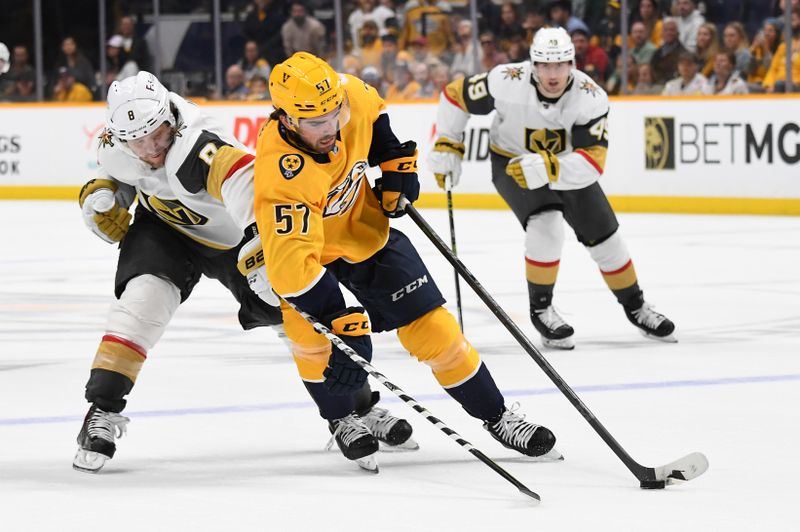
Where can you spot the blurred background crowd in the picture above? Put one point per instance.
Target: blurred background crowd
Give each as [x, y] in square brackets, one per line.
[408, 50]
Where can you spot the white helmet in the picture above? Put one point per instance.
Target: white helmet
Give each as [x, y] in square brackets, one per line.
[5, 58]
[137, 106]
[552, 45]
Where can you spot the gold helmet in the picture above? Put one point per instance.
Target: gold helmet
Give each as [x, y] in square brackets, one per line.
[305, 86]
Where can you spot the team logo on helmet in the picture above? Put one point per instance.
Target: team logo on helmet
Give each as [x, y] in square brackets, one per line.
[106, 139]
[290, 165]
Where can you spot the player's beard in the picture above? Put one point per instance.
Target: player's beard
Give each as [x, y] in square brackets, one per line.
[325, 144]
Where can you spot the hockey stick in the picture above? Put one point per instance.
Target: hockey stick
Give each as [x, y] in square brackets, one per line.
[690, 466]
[438, 423]
[449, 183]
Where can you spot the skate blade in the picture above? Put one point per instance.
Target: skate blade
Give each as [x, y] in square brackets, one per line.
[407, 446]
[565, 344]
[368, 463]
[551, 456]
[669, 339]
[88, 461]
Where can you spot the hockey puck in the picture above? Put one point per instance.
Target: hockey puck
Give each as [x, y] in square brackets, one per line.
[652, 484]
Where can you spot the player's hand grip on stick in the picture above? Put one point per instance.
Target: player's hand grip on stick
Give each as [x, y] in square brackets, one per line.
[532, 170]
[102, 214]
[445, 159]
[343, 376]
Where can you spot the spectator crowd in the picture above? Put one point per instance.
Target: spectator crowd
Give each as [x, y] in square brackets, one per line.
[411, 50]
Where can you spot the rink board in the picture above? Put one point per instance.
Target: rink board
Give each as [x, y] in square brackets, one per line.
[700, 155]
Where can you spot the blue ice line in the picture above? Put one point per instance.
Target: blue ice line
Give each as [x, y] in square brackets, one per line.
[234, 409]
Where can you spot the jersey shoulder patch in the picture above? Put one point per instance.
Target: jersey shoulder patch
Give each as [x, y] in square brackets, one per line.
[290, 164]
[193, 171]
[591, 99]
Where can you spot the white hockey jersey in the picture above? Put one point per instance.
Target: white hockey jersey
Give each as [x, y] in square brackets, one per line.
[572, 127]
[187, 193]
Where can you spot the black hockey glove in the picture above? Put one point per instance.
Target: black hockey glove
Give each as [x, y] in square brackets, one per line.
[399, 177]
[343, 376]
[390, 186]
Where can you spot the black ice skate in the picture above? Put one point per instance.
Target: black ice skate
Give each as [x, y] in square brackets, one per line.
[96, 439]
[355, 441]
[527, 438]
[652, 324]
[394, 433]
[556, 332]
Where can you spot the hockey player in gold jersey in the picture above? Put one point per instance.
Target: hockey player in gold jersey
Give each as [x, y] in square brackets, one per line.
[321, 226]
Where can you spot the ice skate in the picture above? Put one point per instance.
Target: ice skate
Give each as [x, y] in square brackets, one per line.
[527, 438]
[393, 433]
[652, 324]
[96, 439]
[556, 333]
[355, 441]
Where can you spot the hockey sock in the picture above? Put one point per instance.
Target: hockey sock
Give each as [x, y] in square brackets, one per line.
[436, 340]
[116, 365]
[365, 399]
[107, 388]
[544, 238]
[330, 406]
[616, 266]
[479, 396]
[541, 296]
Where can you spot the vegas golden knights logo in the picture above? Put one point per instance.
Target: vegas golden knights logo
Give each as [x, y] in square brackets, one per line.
[173, 211]
[552, 140]
[659, 143]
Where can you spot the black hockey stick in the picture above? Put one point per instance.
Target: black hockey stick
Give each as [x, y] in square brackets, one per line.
[438, 423]
[455, 252]
[690, 466]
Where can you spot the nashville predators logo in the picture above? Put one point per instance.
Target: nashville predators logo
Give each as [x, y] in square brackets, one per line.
[344, 196]
[290, 165]
[512, 73]
[173, 211]
[588, 87]
[106, 139]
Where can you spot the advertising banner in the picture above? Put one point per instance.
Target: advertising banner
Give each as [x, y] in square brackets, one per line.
[723, 148]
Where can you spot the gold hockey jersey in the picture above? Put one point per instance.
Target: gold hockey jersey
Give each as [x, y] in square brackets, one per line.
[313, 209]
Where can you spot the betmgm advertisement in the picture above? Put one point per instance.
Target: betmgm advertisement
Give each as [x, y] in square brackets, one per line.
[705, 148]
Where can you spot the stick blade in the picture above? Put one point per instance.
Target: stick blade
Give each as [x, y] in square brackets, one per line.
[535, 499]
[684, 469]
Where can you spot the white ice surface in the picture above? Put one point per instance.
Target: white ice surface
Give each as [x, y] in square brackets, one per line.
[224, 437]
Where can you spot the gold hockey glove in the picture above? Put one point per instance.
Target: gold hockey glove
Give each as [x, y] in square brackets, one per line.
[102, 214]
[446, 159]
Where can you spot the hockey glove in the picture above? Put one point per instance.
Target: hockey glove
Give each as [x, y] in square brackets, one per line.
[102, 214]
[532, 170]
[399, 177]
[343, 376]
[445, 159]
[251, 265]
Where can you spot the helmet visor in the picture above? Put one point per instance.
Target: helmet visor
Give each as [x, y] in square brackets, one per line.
[327, 124]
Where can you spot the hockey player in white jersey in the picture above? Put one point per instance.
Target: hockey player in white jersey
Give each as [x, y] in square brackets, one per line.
[548, 143]
[194, 186]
